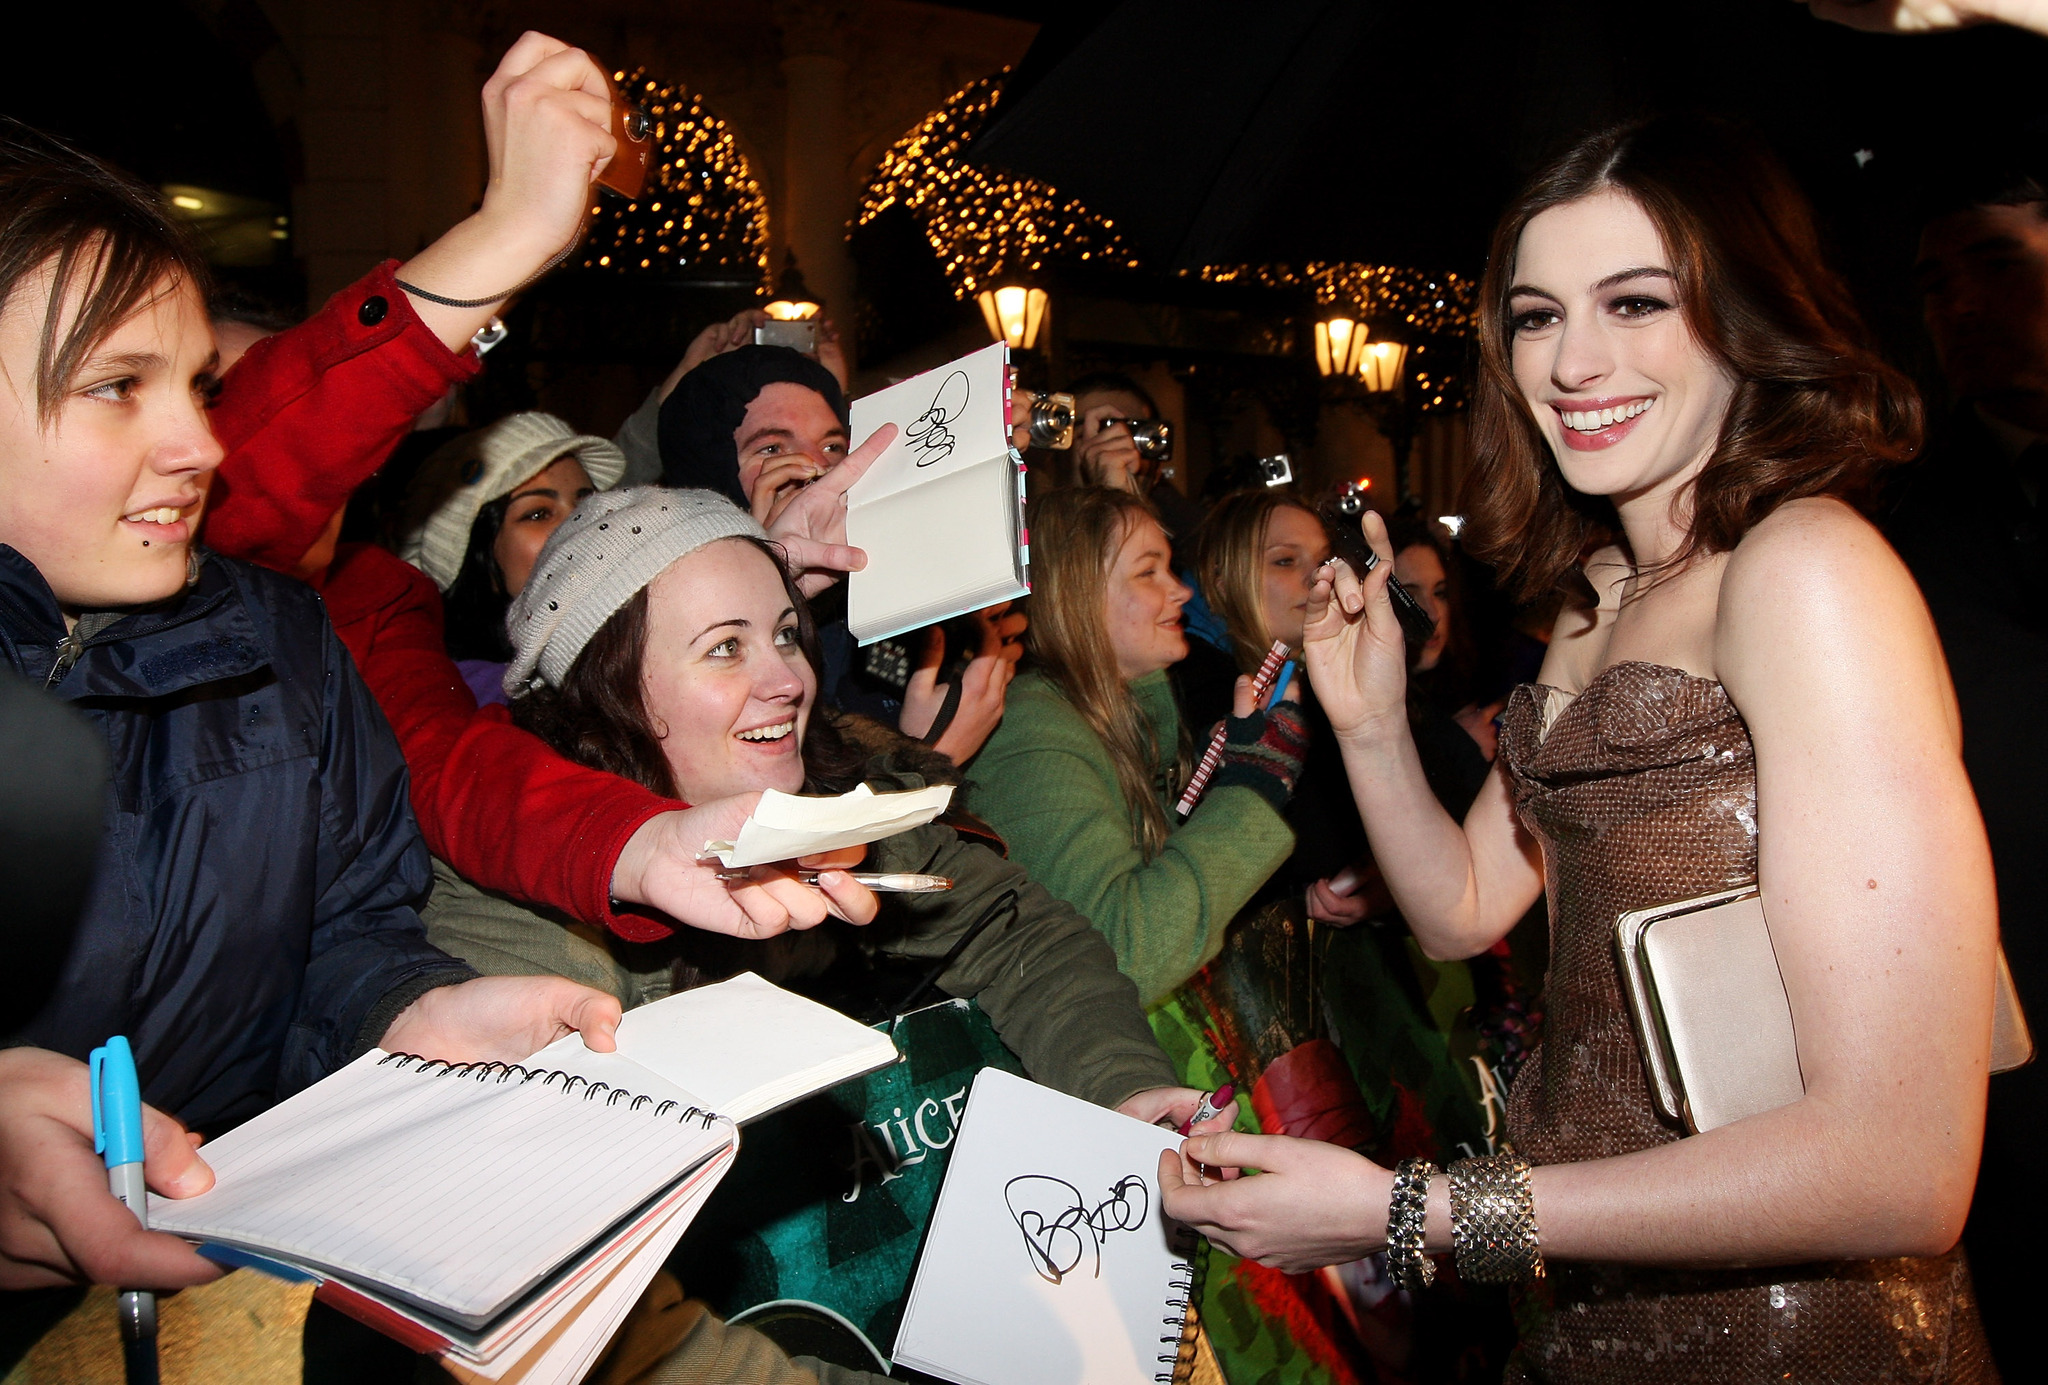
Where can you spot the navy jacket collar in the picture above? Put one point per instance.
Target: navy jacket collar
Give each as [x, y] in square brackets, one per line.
[203, 635]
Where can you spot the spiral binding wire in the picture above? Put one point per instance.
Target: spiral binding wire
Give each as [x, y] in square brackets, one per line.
[1182, 1316]
[491, 1071]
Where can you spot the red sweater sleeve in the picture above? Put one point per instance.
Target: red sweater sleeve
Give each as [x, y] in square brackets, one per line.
[309, 414]
[493, 801]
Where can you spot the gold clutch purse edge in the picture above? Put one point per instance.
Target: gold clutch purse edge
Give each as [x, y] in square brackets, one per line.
[1711, 1016]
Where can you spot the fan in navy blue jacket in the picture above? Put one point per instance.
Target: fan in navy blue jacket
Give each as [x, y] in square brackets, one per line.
[250, 926]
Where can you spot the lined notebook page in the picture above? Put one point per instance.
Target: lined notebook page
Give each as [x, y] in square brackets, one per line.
[458, 1193]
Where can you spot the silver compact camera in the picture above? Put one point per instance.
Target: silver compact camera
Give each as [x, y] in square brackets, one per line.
[1052, 421]
[1276, 470]
[1153, 436]
[801, 336]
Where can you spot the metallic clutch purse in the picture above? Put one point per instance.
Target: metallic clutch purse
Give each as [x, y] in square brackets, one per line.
[1711, 1014]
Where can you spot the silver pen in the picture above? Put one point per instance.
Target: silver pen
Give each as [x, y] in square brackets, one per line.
[886, 883]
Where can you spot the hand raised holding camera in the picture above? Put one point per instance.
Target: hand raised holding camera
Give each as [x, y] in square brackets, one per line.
[1107, 454]
[547, 125]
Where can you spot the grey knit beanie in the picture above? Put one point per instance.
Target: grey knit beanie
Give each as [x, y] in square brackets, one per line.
[615, 544]
[477, 468]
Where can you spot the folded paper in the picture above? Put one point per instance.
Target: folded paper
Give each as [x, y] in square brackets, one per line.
[785, 826]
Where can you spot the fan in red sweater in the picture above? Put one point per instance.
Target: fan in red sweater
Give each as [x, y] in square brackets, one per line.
[309, 414]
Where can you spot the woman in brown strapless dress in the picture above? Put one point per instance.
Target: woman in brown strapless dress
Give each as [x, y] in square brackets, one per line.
[1675, 413]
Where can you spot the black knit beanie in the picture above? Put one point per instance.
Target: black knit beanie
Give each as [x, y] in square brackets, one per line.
[707, 406]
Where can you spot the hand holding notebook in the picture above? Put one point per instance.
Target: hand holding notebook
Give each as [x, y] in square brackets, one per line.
[940, 513]
[491, 1211]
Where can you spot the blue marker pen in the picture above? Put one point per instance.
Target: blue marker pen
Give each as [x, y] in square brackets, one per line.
[1280, 683]
[117, 1135]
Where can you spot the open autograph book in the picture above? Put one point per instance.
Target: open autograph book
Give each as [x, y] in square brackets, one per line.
[507, 1216]
[1049, 1261]
[941, 513]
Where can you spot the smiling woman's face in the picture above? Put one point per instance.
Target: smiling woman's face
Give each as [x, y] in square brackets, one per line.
[724, 679]
[1143, 601]
[1628, 398]
[104, 497]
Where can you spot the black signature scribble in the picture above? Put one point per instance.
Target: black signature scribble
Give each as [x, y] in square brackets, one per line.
[927, 434]
[1060, 1228]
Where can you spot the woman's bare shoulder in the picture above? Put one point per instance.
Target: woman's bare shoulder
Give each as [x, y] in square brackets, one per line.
[1813, 550]
[1816, 578]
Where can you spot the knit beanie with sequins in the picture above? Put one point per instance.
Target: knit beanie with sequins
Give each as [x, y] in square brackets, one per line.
[613, 545]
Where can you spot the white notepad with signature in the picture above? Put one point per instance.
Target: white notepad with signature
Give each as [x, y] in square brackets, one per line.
[1048, 1261]
[940, 515]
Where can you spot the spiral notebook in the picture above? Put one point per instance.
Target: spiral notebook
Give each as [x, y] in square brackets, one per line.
[1049, 1261]
[507, 1215]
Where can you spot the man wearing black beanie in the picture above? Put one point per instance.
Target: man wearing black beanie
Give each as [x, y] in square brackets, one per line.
[795, 420]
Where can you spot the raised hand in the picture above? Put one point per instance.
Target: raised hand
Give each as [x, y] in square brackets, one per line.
[58, 1222]
[812, 527]
[715, 340]
[1106, 455]
[547, 127]
[1352, 645]
[984, 685]
[1930, 16]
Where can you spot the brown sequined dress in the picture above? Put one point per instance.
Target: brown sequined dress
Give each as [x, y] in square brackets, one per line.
[1643, 791]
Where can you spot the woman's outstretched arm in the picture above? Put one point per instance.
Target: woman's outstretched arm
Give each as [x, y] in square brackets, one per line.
[1877, 883]
[1460, 887]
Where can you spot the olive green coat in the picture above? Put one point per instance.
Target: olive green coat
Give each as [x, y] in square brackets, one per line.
[1045, 783]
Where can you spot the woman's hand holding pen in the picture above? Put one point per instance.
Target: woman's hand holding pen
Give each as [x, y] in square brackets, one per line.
[1353, 646]
[661, 867]
[1175, 1107]
[58, 1222]
[1308, 1205]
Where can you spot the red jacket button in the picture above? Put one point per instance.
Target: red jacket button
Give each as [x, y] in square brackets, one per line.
[373, 310]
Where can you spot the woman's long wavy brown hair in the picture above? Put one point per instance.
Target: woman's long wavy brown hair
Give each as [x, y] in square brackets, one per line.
[1815, 410]
[1075, 535]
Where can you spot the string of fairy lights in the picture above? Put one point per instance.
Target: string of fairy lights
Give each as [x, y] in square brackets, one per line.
[1435, 311]
[984, 226]
[702, 209]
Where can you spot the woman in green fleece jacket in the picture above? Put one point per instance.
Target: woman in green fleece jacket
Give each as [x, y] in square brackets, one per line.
[1081, 779]
[1082, 776]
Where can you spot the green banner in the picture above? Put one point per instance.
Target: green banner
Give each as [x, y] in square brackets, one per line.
[829, 1199]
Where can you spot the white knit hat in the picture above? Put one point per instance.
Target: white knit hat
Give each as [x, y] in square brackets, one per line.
[479, 467]
[615, 544]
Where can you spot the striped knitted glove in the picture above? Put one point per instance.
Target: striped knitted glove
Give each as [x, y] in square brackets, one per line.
[1264, 752]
